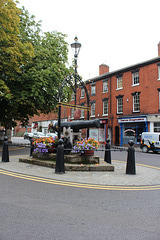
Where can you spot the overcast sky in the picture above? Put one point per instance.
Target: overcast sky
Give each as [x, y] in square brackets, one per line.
[118, 33]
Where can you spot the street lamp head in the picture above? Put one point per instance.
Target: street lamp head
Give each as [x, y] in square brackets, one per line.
[76, 47]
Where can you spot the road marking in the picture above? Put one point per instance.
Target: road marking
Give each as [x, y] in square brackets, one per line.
[13, 149]
[83, 185]
[78, 185]
[16, 148]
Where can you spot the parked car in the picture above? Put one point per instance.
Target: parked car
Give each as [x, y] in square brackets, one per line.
[150, 141]
[35, 134]
[27, 135]
[51, 135]
[38, 135]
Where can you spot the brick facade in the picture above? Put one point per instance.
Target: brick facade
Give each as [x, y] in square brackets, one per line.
[129, 121]
[138, 99]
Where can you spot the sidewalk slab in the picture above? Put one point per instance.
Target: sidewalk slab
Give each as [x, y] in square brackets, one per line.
[145, 176]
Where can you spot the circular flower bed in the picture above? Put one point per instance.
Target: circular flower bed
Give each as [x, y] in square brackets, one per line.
[45, 145]
[86, 144]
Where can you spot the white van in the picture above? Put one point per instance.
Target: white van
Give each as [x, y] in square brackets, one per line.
[150, 141]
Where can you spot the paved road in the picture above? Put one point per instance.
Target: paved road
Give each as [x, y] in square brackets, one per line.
[41, 210]
[33, 210]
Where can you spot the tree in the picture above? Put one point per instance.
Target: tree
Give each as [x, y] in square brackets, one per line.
[13, 54]
[31, 84]
[30, 30]
[40, 80]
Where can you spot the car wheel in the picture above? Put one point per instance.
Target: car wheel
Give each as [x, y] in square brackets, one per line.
[144, 149]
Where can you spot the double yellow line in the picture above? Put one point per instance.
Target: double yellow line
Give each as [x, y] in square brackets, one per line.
[18, 148]
[78, 185]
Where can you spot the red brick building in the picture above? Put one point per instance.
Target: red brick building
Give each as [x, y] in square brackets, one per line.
[127, 102]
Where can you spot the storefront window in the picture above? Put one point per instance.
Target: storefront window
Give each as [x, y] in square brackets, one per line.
[157, 127]
[97, 134]
[129, 134]
[132, 132]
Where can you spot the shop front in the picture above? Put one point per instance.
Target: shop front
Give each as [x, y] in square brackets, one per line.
[154, 121]
[132, 128]
[99, 134]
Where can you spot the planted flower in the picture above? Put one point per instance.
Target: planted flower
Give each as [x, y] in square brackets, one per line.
[86, 144]
[45, 145]
[40, 149]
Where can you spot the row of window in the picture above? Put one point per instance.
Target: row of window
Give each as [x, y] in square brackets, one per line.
[135, 82]
[136, 96]
[136, 103]
[136, 106]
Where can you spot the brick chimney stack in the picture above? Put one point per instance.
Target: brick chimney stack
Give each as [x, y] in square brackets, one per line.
[159, 49]
[103, 68]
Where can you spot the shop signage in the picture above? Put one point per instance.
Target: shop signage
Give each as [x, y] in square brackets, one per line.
[155, 118]
[125, 120]
[103, 121]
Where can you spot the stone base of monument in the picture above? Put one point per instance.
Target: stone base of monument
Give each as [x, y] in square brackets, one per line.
[78, 158]
[70, 158]
[73, 162]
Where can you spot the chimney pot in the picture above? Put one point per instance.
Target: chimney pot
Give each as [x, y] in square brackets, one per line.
[103, 68]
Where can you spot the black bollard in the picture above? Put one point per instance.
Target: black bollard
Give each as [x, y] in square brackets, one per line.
[5, 154]
[31, 147]
[60, 158]
[130, 168]
[107, 155]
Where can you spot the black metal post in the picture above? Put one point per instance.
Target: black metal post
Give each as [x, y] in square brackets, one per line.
[59, 121]
[107, 155]
[5, 153]
[31, 147]
[130, 168]
[60, 158]
[75, 87]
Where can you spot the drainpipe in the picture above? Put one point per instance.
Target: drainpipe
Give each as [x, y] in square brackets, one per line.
[111, 114]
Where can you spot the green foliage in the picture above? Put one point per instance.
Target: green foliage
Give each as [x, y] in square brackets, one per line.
[32, 65]
[13, 53]
[41, 77]
[29, 29]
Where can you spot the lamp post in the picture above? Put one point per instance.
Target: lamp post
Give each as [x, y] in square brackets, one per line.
[76, 48]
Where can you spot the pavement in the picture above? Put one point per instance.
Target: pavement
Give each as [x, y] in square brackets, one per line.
[145, 175]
